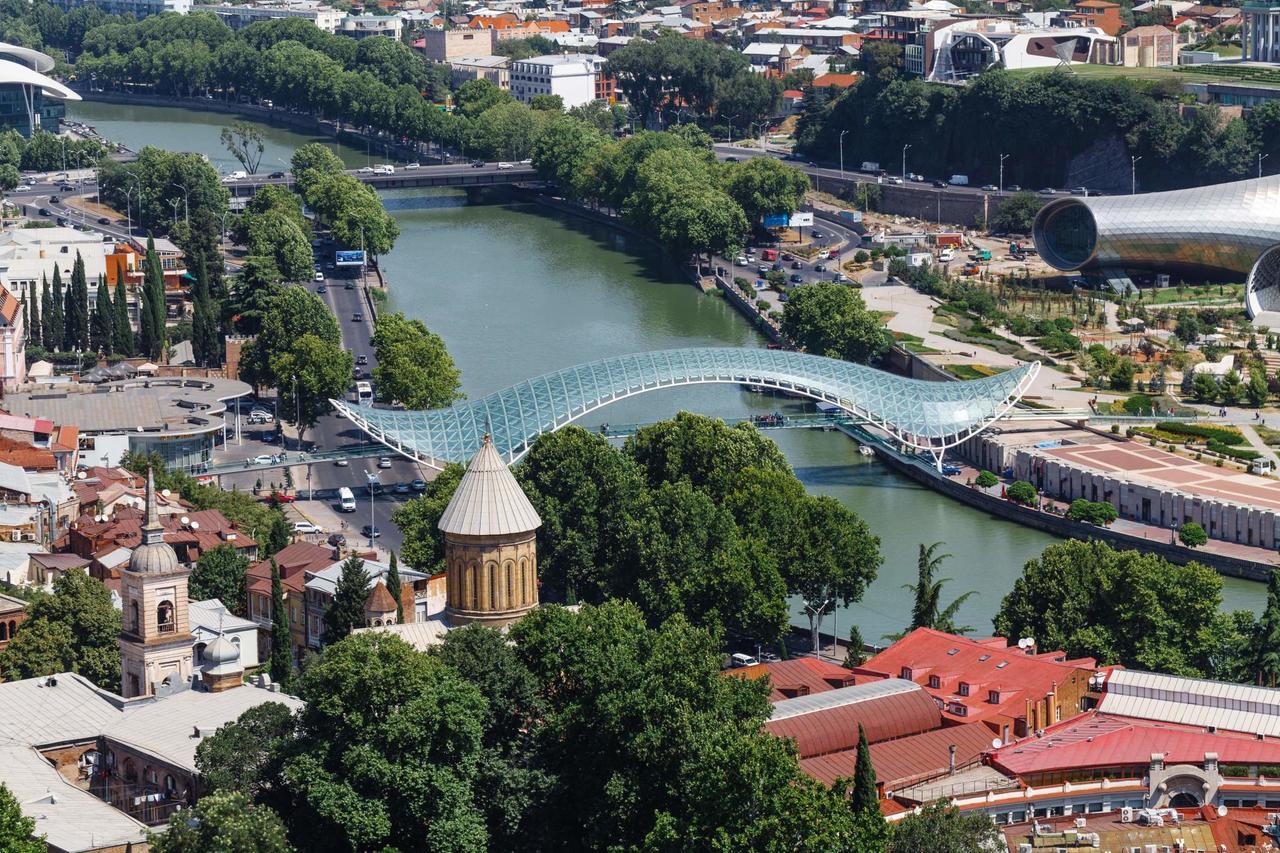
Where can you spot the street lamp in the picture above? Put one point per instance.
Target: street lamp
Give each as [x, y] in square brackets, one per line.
[842, 133]
[128, 197]
[372, 477]
[1133, 175]
[186, 202]
[730, 120]
[1261, 157]
[904, 160]
[1003, 157]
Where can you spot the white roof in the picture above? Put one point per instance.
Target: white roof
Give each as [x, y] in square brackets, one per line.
[14, 479]
[758, 48]
[1192, 701]
[326, 580]
[421, 635]
[14, 72]
[212, 616]
[489, 501]
[37, 60]
[840, 697]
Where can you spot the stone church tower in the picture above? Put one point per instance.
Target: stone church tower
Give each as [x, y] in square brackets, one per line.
[490, 551]
[155, 640]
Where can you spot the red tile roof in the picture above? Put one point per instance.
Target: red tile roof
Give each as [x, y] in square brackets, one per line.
[797, 677]
[834, 728]
[841, 81]
[907, 760]
[9, 306]
[1101, 740]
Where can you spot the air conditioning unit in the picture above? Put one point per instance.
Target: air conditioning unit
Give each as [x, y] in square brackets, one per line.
[1126, 816]
[1080, 823]
[1025, 848]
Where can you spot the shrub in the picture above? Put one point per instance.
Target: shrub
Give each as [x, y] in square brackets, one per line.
[1099, 513]
[1115, 429]
[1224, 435]
[1021, 492]
[986, 479]
[861, 256]
[1192, 535]
[1233, 452]
[1137, 404]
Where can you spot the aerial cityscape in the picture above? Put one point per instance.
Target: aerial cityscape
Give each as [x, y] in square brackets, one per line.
[532, 425]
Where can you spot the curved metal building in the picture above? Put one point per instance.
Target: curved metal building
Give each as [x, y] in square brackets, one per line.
[1223, 229]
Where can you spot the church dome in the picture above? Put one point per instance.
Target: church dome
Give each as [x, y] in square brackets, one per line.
[220, 652]
[154, 555]
[488, 500]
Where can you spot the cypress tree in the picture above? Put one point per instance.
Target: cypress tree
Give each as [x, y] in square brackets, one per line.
[79, 317]
[35, 331]
[203, 329]
[69, 341]
[393, 587]
[155, 302]
[281, 642]
[122, 341]
[55, 328]
[46, 320]
[104, 321]
[26, 316]
[1267, 641]
[865, 796]
[346, 611]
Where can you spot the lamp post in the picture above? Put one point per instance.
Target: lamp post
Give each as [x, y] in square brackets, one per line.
[904, 160]
[1003, 157]
[372, 477]
[128, 195]
[186, 202]
[174, 204]
[1261, 157]
[1133, 175]
[730, 120]
[842, 133]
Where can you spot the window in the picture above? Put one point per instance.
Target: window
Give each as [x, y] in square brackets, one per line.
[200, 647]
[984, 658]
[934, 682]
[905, 673]
[993, 696]
[134, 620]
[952, 651]
[964, 688]
[1002, 664]
[164, 618]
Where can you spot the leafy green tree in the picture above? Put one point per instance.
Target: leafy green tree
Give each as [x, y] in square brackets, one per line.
[241, 756]
[1192, 535]
[1265, 649]
[9, 177]
[1205, 388]
[927, 611]
[1122, 374]
[1100, 513]
[1231, 389]
[1256, 391]
[854, 655]
[705, 451]
[281, 661]
[307, 376]
[423, 547]
[944, 827]
[78, 316]
[220, 574]
[414, 367]
[17, 831]
[393, 586]
[225, 822]
[277, 235]
[1021, 492]
[562, 150]
[1121, 607]
[834, 557]
[1017, 213]
[310, 162]
[986, 479]
[153, 312]
[832, 320]
[547, 103]
[244, 141]
[346, 611]
[75, 629]
[763, 185]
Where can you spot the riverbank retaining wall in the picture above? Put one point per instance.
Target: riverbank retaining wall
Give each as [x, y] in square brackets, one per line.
[919, 201]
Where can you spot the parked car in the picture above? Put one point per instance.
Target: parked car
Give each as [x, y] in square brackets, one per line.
[337, 540]
[384, 461]
[402, 488]
[305, 527]
[370, 532]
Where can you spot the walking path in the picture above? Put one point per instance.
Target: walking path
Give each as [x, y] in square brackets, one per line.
[1257, 443]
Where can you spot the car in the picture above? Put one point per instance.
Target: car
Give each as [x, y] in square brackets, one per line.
[990, 188]
[895, 180]
[741, 260]
[731, 159]
[777, 266]
[751, 251]
[261, 413]
[528, 161]
[22, 188]
[67, 188]
[330, 265]
[322, 289]
[62, 222]
[1080, 191]
[319, 276]
[817, 235]
[506, 165]
[947, 255]
[796, 278]
[782, 297]
[104, 220]
[819, 267]
[833, 255]
[282, 498]
[262, 459]
[413, 166]
[53, 199]
[348, 286]
[950, 470]
[419, 485]
[1014, 188]
[916, 178]
[362, 359]
[811, 164]
[357, 317]
[342, 463]
[796, 265]
[275, 176]
[337, 540]
[477, 164]
[402, 488]
[939, 183]
[762, 270]
[1048, 191]
[44, 211]
[357, 373]
[365, 170]
[305, 527]
[370, 532]
[384, 461]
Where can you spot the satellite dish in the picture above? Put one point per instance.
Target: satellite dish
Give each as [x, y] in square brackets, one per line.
[80, 475]
[1222, 811]
[164, 493]
[195, 525]
[186, 520]
[996, 743]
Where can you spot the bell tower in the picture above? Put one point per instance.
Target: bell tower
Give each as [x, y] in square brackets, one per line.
[155, 636]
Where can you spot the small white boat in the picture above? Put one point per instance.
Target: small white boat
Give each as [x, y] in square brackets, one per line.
[866, 451]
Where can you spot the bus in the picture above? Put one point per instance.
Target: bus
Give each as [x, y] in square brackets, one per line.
[364, 393]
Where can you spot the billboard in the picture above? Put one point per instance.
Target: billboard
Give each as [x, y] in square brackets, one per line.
[782, 220]
[349, 258]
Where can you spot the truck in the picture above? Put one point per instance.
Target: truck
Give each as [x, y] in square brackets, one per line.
[385, 169]
[981, 256]
[870, 166]
[959, 181]
[850, 215]
[954, 239]
[769, 254]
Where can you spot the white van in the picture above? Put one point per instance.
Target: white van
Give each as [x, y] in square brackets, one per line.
[346, 500]
[385, 169]
[738, 659]
[959, 181]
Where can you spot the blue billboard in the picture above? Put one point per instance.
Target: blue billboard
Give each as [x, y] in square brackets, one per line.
[775, 220]
[349, 257]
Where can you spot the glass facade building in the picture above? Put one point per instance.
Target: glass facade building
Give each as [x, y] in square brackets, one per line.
[30, 100]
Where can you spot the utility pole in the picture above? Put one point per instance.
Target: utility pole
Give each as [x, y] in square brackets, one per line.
[904, 161]
[372, 477]
[731, 118]
[1133, 175]
[842, 133]
[1261, 157]
[1003, 157]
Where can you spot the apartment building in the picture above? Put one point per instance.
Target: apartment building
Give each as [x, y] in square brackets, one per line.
[572, 77]
[1260, 32]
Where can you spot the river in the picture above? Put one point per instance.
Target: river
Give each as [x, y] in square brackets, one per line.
[516, 291]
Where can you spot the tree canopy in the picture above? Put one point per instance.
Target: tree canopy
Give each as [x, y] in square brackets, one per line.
[832, 320]
[74, 629]
[414, 367]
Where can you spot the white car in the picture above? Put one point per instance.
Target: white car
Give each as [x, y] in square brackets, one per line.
[305, 527]
[947, 255]
[505, 166]
[367, 170]
[741, 260]
[22, 188]
[413, 165]
[319, 276]
[384, 462]
[262, 460]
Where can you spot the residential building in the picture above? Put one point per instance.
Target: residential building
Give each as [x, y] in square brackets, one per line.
[28, 257]
[1149, 47]
[774, 58]
[495, 69]
[13, 612]
[817, 40]
[1015, 690]
[448, 45]
[295, 561]
[13, 341]
[573, 77]
[1260, 32]
[1102, 14]
[210, 619]
[420, 597]
[363, 26]
[136, 8]
[48, 569]
[238, 17]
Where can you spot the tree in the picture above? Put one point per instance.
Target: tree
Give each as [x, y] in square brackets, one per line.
[1266, 639]
[307, 377]
[547, 103]
[1100, 513]
[832, 320]
[346, 611]
[240, 756]
[1231, 389]
[1021, 492]
[1257, 391]
[17, 831]
[763, 186]
[705, 451]
[1122, 374]
[1192, 535]
[224, 822]
[854, 655]
[1017, 213]
[122, 340]
[393, 587]
[220, 574]
[414, 367]
[865, 797]
[153, 313]
[927, 611]
[1205, 388]
[78, 315]
[986, 479]
[277, 235]
[75, 629]
[56, 329]
[944, 827]
[281, 637]
[102, 330]
[244, 141]
[1121, 607]
[34, 325]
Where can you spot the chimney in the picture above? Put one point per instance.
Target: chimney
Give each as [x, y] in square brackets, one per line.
[951, 760]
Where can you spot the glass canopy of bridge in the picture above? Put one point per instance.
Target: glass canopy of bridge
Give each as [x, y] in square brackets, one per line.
[929, 416]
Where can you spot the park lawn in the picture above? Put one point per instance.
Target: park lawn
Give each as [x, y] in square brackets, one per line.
[972, 371]
[1217, 75]
[1226, 294]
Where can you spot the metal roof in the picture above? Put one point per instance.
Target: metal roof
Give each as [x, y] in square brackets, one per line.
[488, 500]
[907, 760]
[828, 722]
[924, 415]
[840, 697]
[1193, 701]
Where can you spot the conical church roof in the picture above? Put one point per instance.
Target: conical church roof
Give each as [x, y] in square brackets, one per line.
[489, 501]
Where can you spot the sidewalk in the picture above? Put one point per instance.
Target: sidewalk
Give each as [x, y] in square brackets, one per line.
[1256, 442]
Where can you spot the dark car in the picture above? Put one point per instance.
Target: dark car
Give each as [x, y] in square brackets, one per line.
[731, 159]
[370, 532]
[62, 223]
[348, 286]
[357, 373]
[1013, 188]
[796, 265]
[939, 183]
[53, 199]
[275, 175]
[103, 220]
[357, 317]
[322, 289]
[44, 211]
[362, 359]
[819, 267]
[337, 540]
[67, 188]
[796, 278]
[477, 164]
[777, 266]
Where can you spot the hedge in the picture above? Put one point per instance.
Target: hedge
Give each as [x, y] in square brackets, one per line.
[1233, 452]
[1223, 435]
